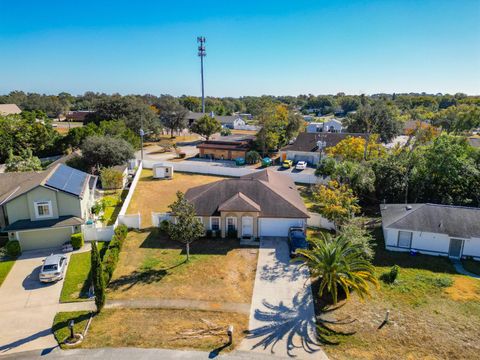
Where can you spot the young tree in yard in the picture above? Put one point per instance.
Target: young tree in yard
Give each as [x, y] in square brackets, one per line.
[23, 162]
[186, 228]
[206, 126]
[353, 149]
[105, 151]
[97, 277]
[336, 202]
[339, 264]
[111, 178]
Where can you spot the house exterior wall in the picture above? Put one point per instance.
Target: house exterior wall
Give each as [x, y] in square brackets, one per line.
[69, 205]
[238, 215]
[86, 202]
[41, 194]
[431, 243]
[17, 209]
[44, 238]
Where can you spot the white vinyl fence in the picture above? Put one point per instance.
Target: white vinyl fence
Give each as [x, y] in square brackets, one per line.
[158, 217]
[220, 170]
[318, 221]
[94, 232]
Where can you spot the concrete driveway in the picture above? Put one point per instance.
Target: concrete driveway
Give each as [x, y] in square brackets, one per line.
[282, 319]
[27, 307]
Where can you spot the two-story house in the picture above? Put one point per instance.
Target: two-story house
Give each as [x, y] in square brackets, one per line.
[43, 209]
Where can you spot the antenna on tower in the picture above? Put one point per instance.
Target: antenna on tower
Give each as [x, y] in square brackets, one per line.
[202, 53]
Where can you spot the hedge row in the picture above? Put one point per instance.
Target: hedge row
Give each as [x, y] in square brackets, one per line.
[112, 254]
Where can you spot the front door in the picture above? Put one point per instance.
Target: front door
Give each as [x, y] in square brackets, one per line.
[247, 226]
[455, 250]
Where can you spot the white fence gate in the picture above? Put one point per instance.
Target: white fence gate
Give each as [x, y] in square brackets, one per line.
[98, 233]
[158, 217]
[131, 221]
[318, 221]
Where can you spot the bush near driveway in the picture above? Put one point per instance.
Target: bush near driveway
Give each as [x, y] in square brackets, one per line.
[77, 241]
[13, 248]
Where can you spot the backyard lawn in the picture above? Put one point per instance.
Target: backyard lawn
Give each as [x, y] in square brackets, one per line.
[434, 313]
[5, 266]
[156, 328]
[152, 266]
[77, 280]
[113, 200]
[155, 195]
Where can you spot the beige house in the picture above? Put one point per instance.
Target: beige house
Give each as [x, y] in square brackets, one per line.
[265, 203]
[43, 209]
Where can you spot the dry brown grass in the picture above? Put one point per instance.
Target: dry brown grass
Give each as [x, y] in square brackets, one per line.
[159, 328]
[155, 195]
[464, 289]
[152, 266]
[244, 132]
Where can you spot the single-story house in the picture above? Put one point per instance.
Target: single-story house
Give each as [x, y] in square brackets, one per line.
[9, 109]
[332, 125]
[310, 147]
[227, 121]
[43, 209]
[446, 230]
[226, 148]
[78, 115]
[265, 203]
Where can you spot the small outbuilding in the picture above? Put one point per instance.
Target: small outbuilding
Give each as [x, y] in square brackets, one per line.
[162, 171]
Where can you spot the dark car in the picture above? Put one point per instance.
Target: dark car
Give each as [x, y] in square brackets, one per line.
[296, 240]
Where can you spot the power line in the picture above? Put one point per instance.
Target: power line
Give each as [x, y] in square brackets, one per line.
[202, 53]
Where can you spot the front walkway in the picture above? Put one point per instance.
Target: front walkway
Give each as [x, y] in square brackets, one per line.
[282, 318]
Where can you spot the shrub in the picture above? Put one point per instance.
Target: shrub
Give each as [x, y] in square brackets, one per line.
[164, 226]
[443, 281]
[121, 231]
[252, 157]
[112, 254]
[13, 248]
[77, 241]
[232, 234]
[111, 178]
[390, 276]
[209, 234]
[226, 132]
[98, 207]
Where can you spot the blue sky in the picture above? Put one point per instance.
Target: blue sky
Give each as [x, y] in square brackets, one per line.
[253, 47]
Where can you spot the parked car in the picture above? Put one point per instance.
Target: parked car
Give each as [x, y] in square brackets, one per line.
[287, 164]
[266, 161]
[53, 268]
[296, 240]
[301, 165]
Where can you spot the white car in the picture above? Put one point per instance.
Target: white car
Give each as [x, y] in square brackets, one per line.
[301, 165]
[53, 268]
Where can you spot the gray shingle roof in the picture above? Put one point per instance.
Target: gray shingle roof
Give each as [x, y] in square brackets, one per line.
[456, 221]
[27, 224]
[274, 193]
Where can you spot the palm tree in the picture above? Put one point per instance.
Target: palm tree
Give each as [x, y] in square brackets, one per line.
[340, 264]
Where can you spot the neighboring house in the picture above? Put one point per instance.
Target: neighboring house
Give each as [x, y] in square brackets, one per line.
[43, 209]
[9, 109]
[446, 230]
[265, 203]
[474, 141]
[226, 148]
[78, 115]
[310, 147]
[228, 121]
[332, 125]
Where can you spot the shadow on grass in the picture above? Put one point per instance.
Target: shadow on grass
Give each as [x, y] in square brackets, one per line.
[386, 258]
[158, 240]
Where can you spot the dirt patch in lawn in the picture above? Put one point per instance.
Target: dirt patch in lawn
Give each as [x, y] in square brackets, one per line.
[159, 328]
[464, 289]
[155, 195]
[151, 266]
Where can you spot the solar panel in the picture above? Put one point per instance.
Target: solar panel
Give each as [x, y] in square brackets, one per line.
[67, 179]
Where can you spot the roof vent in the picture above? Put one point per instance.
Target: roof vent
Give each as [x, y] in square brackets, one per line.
[409, 207]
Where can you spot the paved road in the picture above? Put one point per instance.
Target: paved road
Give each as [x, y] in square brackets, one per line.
[282, 319]
[27, 307]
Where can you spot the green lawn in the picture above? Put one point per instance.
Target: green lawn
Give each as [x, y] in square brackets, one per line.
[5, 266]
[472, 266]
[113, 201]
[77, 282]
[60, 324]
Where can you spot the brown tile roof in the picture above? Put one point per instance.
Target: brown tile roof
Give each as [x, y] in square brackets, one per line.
[242, 145]
[308, 141]
[274, 193]
[9, 109]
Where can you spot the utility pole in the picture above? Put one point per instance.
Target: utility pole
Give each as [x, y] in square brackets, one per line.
[202, 53]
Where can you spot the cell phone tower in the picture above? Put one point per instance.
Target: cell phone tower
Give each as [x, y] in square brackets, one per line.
[202, 53]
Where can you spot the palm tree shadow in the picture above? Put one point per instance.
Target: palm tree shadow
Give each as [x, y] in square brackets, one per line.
[297, 325]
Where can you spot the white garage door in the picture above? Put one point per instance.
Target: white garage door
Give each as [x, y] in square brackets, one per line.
[42, 239]
[277, 227]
